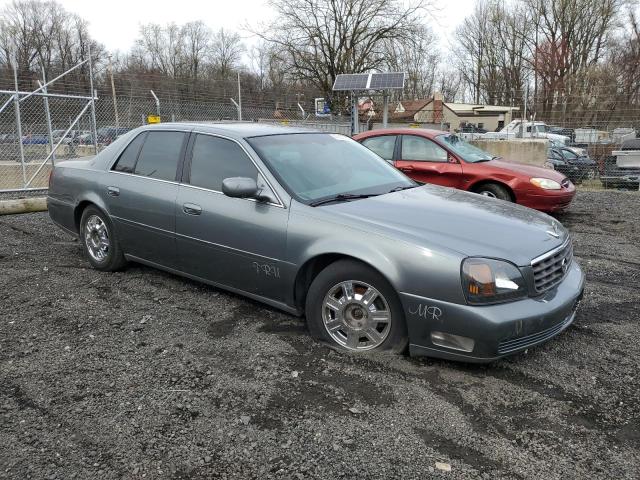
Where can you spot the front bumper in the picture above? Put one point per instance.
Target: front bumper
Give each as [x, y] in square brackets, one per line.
[498, 330]
[549, 201]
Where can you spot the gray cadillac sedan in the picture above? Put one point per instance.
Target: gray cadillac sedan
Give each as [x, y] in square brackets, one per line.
[316, 224]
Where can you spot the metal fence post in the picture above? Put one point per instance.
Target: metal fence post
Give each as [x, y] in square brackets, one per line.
[94, 126]
[157, 100]
[47, 112]
[16, 104]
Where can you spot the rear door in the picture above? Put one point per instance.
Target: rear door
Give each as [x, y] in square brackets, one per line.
[425, 161]
[235, 242]
[141, 192]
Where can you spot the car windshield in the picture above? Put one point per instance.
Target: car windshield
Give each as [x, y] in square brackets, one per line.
[316, 166]
[468, 152]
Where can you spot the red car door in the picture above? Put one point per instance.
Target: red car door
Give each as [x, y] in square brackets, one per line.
[427, 162]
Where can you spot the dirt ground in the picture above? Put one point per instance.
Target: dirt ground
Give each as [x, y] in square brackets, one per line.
[141, 374]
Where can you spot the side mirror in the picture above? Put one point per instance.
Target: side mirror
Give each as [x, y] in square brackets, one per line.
[242, 187]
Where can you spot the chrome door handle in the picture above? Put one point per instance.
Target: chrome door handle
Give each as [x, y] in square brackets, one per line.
[191, 209]
[406, 169]
[113, 191]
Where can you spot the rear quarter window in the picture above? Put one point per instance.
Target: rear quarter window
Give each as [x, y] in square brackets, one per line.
[128, 157]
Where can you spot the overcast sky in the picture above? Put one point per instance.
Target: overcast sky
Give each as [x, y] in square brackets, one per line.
[115, 23]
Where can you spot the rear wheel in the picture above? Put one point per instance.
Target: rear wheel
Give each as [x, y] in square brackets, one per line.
[352, 307]
[99, 241]
[494, 190]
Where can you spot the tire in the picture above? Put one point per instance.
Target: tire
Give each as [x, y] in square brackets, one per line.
[493, 190]
[359, 306]
[99, 241]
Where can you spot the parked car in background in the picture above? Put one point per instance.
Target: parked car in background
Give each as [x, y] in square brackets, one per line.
[313, 223]
[433, 156]
[106, 135]
[71, 137]
[626, 176]
[582, 166]
[471, 128]
[8, 138]
[527, 129]
[85, 137]
[565, 132]
[35, 139]
[557, 162]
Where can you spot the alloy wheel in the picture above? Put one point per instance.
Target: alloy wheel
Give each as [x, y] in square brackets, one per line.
[356, 315]
[96, 238]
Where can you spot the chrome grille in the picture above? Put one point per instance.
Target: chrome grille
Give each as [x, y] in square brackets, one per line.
[549, 269]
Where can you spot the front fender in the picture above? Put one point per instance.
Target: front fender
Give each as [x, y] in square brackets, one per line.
[409, 268]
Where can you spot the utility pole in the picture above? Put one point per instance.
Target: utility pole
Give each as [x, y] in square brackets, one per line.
[113, 94]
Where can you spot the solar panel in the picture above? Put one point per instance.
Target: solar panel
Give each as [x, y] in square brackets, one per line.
[369, 81]
[348, 81]
[386, 81]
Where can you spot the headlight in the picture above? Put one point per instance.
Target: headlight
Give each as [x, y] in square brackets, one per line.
[485, 280]
[546, 183]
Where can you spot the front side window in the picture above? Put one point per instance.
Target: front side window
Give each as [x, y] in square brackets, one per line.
[160, 155]
[215, 159]
[469, 153]
[383, 146]
[315, 166]
[420, 149]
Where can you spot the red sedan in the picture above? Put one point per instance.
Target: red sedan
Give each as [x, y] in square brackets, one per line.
[433, 156]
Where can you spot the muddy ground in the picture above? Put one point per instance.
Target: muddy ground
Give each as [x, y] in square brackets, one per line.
[141, 374]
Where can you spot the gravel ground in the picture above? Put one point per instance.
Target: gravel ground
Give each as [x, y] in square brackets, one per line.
[141, 374]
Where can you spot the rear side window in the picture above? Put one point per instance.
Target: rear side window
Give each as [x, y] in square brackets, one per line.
[128, 157]
[215, 159]
[160, 155]
[383, 146]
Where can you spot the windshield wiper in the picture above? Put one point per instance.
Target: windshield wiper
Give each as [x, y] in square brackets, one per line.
[496, 158]
[406, 187]
[342, 197]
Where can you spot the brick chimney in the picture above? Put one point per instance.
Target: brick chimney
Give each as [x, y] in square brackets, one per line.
[438, 115]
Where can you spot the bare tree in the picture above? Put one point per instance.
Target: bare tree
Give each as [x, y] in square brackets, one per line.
[319, 39]
[419, 57]
[44, 35]
[574, 35]
[226, 52]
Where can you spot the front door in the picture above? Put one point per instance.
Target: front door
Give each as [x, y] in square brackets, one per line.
[235, 242]
[427, 162]
[141, 190]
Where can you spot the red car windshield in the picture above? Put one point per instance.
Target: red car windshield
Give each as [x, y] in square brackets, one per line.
[468, 152]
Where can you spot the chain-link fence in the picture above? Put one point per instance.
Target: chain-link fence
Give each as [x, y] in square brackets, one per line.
[26, 153]
[52, 126]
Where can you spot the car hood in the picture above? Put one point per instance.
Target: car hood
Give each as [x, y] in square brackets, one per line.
[468, 223]
[527, 170]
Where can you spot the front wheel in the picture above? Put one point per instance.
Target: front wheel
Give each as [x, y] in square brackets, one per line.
[494, 190]
[352, 307]
[99, 241]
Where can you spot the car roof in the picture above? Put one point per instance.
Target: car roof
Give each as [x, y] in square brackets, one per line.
[236, 130]
[424, 132]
